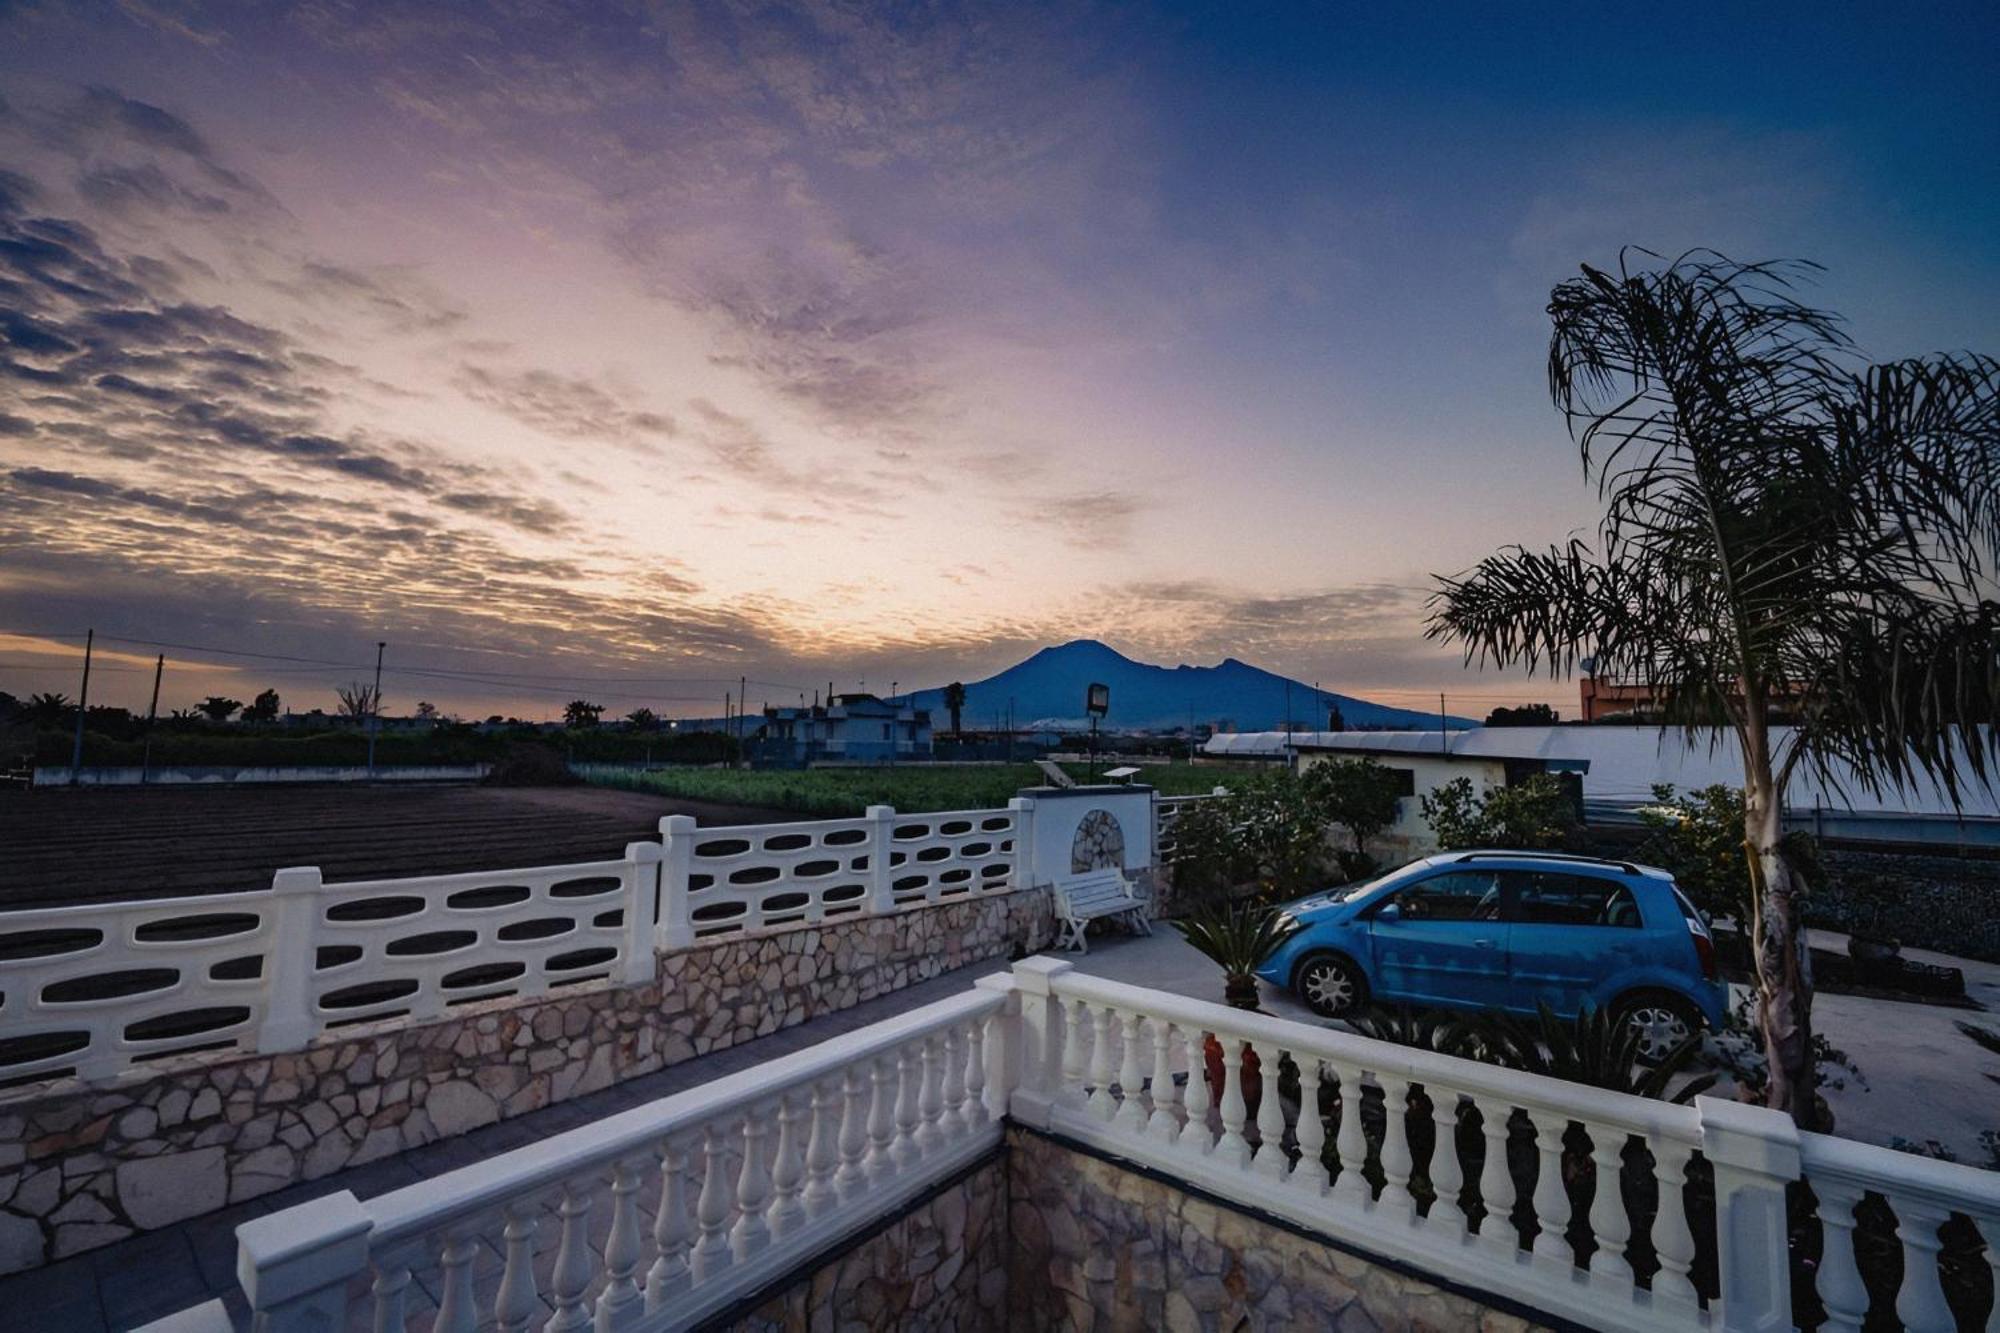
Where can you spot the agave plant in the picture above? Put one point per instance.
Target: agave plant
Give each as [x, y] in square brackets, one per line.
[1426, 1029]
[1594, 1049]
[1237, 939]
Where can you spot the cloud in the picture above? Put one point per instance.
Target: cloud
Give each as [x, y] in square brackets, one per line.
[565, 406]
[1090, 520]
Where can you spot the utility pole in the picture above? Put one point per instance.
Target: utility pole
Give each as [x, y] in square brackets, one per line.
[375, 709]
[742, 706]
[152, 712]
[82, 707]
[1444, 741]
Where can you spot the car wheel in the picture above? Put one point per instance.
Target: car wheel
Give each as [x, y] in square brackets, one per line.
[1331, 987]
[1661, 1023]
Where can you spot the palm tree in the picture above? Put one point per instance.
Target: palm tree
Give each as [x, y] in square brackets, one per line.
[217, 708]
[954, 702]
[1787, 530]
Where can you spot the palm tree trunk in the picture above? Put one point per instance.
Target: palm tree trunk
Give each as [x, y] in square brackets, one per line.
[1784, 967]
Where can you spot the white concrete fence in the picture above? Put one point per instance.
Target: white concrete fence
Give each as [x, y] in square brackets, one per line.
[714, 1193]
[97, 990]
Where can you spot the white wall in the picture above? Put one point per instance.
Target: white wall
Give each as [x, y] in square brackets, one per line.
[1058, 812]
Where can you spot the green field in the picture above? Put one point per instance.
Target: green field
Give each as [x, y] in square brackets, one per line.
[849, 791]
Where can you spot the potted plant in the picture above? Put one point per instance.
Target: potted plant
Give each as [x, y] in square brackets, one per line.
[1238, 939]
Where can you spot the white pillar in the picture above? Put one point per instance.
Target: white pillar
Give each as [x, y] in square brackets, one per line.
[288, 1018]
[295, 1266]
[675, 927]
[1024, 841]
[642, 906]
[1041, 1040]
[1755, 1152]
[881, 875]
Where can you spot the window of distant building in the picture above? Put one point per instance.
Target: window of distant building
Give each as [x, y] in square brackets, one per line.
[885, 731]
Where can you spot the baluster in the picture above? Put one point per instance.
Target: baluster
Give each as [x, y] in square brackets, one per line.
[1076, 1048]
[1349, 1143]
[1309, 1172]
[1989, 1231]
[882, 1121]
[571, 1280]
[391, 1286]
[954, 1122]
[621, 1302]
[788, 1209]
[712, 1209]
[1131, 1107]
[518, 1300]
[1233, 1147]
[1496, 1184]
[1841, 1290]
[1920, 1302]
[903, 1151]
[930, 1098]
[822, 1152]
[458, 1310]
[1447, 1176]
[857, 1088]
[1163, 1125]
[1551, 1199]
[1270, 1160]
[976, 1115]
[753, 1190]
[1397, 1161]
[1101, 1104]
[1673, 1239]
[1195, 1134]
[1608, 1221]
[669, 1274]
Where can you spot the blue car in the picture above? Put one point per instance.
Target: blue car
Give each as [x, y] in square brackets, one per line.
[1509, 931]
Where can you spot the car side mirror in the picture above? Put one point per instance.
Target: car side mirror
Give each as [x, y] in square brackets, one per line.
[1389, 914]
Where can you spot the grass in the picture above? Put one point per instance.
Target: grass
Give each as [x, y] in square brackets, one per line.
[841, 792]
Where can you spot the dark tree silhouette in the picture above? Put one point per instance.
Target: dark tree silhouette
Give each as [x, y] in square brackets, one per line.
[216, 708]
[1783, 523]
[359, 700]
[954, 702]
[582, 713]
[1527, 715]
[264, 708]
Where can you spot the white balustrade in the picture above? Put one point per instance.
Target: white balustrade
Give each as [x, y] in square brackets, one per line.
[759, 1172]
[758, 1147]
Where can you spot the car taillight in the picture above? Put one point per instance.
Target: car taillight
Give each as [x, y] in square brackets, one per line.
[1704, 949]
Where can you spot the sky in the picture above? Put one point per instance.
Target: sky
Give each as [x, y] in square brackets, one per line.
[625, 350]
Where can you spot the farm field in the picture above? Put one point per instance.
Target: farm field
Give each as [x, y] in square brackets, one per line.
[60, 847]
[837, 792]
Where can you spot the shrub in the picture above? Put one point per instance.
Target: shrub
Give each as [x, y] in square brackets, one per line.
[1537, 813]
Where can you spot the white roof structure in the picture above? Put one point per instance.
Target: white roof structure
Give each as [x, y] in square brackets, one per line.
[1621, 764]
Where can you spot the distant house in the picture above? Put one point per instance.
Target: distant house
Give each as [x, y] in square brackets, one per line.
[852, 729]
[1426, 760]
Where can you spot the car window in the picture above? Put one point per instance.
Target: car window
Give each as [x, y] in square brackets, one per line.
[1552, 898]
[1461, 895]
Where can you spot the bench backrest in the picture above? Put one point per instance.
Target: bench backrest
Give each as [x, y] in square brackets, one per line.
[1098, 890]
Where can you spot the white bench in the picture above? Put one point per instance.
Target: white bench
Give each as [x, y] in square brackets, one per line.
[1094, 896]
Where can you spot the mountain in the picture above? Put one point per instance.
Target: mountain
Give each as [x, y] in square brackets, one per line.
[1048, 688]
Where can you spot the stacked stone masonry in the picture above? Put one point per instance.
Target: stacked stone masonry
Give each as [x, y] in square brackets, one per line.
[83, 1166]
[942, 1266]
[1095, 1246]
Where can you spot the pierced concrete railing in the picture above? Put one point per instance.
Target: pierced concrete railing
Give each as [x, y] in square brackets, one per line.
[1420, 1158]
[750, 876]
[98, 989]
[716, 1193]
[95, 990]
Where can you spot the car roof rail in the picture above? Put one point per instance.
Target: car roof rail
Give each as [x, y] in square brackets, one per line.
[1574, 857]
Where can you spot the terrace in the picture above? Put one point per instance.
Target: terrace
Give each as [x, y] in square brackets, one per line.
[778, 1090]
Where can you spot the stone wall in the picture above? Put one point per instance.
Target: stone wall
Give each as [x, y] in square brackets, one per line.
[1096, 1246]
[82, 1166]
[1943, 902]
[942, 1265]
